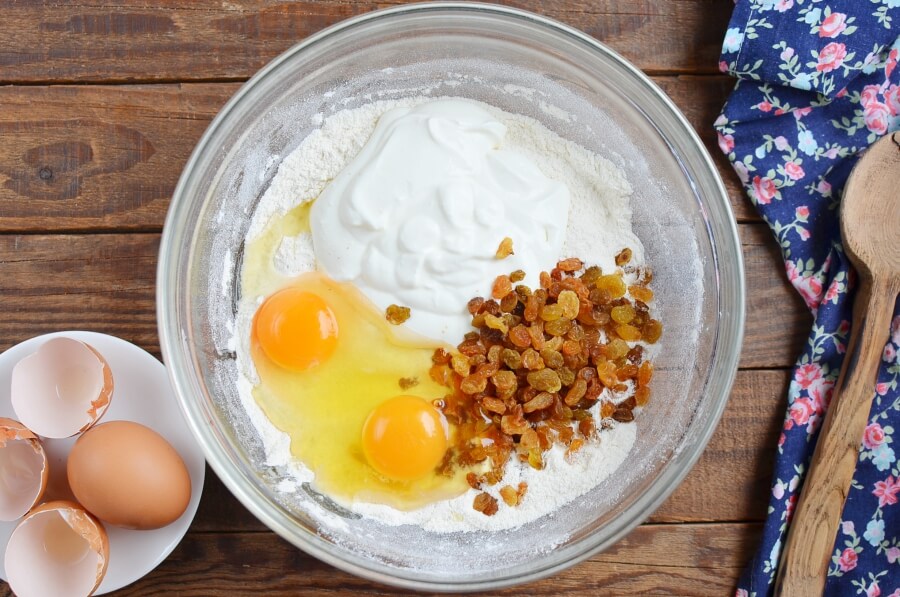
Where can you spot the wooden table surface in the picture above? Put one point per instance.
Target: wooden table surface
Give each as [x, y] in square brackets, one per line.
[102, 104]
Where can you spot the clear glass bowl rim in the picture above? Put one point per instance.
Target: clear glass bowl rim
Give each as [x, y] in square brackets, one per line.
[179, 360]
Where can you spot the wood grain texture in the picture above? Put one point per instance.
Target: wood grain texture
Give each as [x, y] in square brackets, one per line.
[97, 158]
[106, 283]
[703, 559]
[183, 40]
[101, 158]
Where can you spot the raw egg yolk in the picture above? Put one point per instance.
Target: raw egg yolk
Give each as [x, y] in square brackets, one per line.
[296, 329]
[404, 438]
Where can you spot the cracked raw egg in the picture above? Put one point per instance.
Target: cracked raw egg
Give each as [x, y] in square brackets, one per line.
[353, 393]
[57, 549]
[62, 389]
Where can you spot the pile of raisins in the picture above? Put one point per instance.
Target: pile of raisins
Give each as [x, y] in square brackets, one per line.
[537, 363]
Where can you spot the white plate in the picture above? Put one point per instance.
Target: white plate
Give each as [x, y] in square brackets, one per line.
[142, 394]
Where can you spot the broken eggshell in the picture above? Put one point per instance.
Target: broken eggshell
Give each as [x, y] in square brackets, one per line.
[57, 549]
[23, 470]
[62, 389]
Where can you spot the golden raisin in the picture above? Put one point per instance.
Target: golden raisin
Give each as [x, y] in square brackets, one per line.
[552, 358]
[576, 392]
[486, 504]
[505, 249]
[517, 276]
[505, 382]
[645, 374]
[571, 347]
[611, 283]
[591, 274]
[539, 402]
[569, 303]
[566, 376]
[627, 372]
[606, 373]
[551, 312]
[622, 314]
[607, 409]
[510, 495]
[460, 364]
[545, 380]
[519, 336]
[587, 427]
[440, 357]
[508, 303]
[532, 360]
[514, 423]
[502, 287]
[474, 305]
[628, 332]
[494, 405]
[495, 323]
[396, 314]
[642, 395]
[511, 358]
[623, 257]
[536, 331]
[573, 264]
[641, 293]
[473, 384]
[652, 331]
[576, 445]
[558, 327]
[616, 349]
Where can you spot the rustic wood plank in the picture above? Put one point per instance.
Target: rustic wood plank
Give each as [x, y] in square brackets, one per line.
[102, 283]
[732, 479]
[106, 283]
[778, 321]
[704, 559]
[181, 40]
[86, 158]
[654, 559]
[89, 158]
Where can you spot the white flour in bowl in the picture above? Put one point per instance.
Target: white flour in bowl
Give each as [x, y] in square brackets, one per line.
[599, 226]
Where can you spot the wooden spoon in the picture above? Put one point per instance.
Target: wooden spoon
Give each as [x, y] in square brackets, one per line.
[870, 225]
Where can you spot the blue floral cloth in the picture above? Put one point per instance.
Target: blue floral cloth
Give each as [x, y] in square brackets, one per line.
[818, 83]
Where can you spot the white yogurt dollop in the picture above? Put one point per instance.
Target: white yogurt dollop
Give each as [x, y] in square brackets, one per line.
[416, 218]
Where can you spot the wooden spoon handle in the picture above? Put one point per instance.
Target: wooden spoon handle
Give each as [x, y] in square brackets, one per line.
[807, 551]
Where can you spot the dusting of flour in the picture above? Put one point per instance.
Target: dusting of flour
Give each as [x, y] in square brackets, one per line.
[599, 226]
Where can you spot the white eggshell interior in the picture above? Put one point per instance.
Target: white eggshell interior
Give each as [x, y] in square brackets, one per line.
[46, 556]
[22, 463]
[53, 389]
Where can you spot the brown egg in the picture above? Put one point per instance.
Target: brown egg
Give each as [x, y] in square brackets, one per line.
[129, 476]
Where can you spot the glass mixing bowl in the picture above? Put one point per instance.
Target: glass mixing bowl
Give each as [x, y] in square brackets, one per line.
[521, 63]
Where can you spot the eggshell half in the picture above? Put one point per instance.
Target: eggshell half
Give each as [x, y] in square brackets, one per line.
[23, 470]
[128, 475]
[57, 549]
[62, 389]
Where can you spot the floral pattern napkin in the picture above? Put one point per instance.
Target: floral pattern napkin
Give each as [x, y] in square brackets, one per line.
[818, 83]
